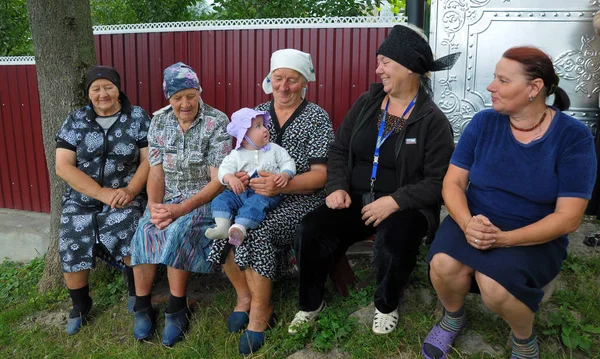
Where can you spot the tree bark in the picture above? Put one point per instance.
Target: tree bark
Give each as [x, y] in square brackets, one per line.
[64, 49]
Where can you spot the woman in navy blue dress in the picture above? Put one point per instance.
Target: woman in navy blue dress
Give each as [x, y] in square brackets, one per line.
[518, 183]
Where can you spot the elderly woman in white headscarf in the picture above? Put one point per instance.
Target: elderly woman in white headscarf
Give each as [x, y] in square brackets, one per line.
[305, 131]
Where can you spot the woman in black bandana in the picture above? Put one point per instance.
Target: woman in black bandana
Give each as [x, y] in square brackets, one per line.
[392, 190]
[102, 155]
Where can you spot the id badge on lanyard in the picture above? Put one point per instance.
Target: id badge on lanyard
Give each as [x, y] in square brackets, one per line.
[381, 139]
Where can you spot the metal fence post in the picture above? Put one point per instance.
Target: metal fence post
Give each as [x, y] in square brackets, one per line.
[415, 11]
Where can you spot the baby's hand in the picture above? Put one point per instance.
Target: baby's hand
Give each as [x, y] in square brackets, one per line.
[281, 180]
[235, 184]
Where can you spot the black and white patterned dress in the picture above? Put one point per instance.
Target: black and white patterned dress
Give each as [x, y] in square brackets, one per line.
[89, 228]
[267, 249]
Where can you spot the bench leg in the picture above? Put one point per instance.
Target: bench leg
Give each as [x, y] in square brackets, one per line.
[342, 276]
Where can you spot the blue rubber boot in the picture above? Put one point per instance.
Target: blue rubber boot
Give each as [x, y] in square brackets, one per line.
[74, 324]
[144, 323]
[176, 325]
[237, 321]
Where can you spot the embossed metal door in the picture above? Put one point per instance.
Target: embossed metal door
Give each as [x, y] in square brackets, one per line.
[483, 29]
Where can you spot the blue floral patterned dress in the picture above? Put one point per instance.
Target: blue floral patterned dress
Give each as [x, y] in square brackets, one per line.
[186, 158]
[89, 228]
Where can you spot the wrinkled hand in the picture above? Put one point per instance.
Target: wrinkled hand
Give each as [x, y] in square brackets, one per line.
[122, 197]
[161, 215]
[236, 185]
[338, 199]
[480, 233]
[107, 196]
[265, 184]
[281, 180]
[378, 210]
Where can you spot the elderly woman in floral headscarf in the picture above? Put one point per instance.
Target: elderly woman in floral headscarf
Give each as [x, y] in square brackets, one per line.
[187, 141]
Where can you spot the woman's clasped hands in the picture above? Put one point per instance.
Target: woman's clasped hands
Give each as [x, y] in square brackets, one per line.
[482, 234]
[164, 214]
[116, 198]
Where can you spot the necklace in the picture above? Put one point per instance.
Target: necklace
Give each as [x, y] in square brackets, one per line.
[530, 128]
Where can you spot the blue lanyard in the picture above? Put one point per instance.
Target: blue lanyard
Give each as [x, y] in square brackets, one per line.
[381, 138]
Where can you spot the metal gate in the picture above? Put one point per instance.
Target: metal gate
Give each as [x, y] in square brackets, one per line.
[483, 29]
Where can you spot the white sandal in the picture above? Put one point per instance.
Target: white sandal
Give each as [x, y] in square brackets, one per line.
[385, 323]
[303, 317]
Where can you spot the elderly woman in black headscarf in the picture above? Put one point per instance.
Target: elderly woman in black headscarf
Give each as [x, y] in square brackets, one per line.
[102, 155]
[384, 177]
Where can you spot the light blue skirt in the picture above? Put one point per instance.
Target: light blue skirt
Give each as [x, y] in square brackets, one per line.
[182, 245]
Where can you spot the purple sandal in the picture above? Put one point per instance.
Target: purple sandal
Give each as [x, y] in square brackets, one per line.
[440, 339]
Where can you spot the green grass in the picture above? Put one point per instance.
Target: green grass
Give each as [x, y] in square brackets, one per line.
[32, 324]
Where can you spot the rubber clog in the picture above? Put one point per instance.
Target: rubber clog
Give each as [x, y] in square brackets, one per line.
[74, 324]
[144, 323]
[176, 324]
[237, 321]
[440, 339]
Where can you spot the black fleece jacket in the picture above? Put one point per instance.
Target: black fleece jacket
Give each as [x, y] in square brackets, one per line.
[423, 151]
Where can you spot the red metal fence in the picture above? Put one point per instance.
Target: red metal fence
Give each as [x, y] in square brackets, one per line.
[231, 65]
[24, 180]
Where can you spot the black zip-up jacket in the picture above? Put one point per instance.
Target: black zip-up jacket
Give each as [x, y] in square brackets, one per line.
[423, 151]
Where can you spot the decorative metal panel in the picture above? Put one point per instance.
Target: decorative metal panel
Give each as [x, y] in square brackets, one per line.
[483, 29]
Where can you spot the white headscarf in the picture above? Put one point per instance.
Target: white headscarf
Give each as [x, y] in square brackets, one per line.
[290, 59]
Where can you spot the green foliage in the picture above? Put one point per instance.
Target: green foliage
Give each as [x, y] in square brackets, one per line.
[18, 281]
[32, 324]
[15, 33]
[112, 12]
[573, 334]
[363, 297]
[397, 6]
[333, 326]
[108, 286]
[575, 321]
[251, 9]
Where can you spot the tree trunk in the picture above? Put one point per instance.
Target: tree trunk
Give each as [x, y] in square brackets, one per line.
[64, 49]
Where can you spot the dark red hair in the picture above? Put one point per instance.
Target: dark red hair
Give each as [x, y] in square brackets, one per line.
[536, 64]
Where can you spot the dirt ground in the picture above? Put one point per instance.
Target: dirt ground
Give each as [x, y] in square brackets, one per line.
[589, 225]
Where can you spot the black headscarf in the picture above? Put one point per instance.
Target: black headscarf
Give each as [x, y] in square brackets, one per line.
[109, 73]
[408, 48]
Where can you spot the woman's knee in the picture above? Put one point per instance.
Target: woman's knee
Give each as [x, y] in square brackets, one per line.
[493, 293]
[446, 267]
